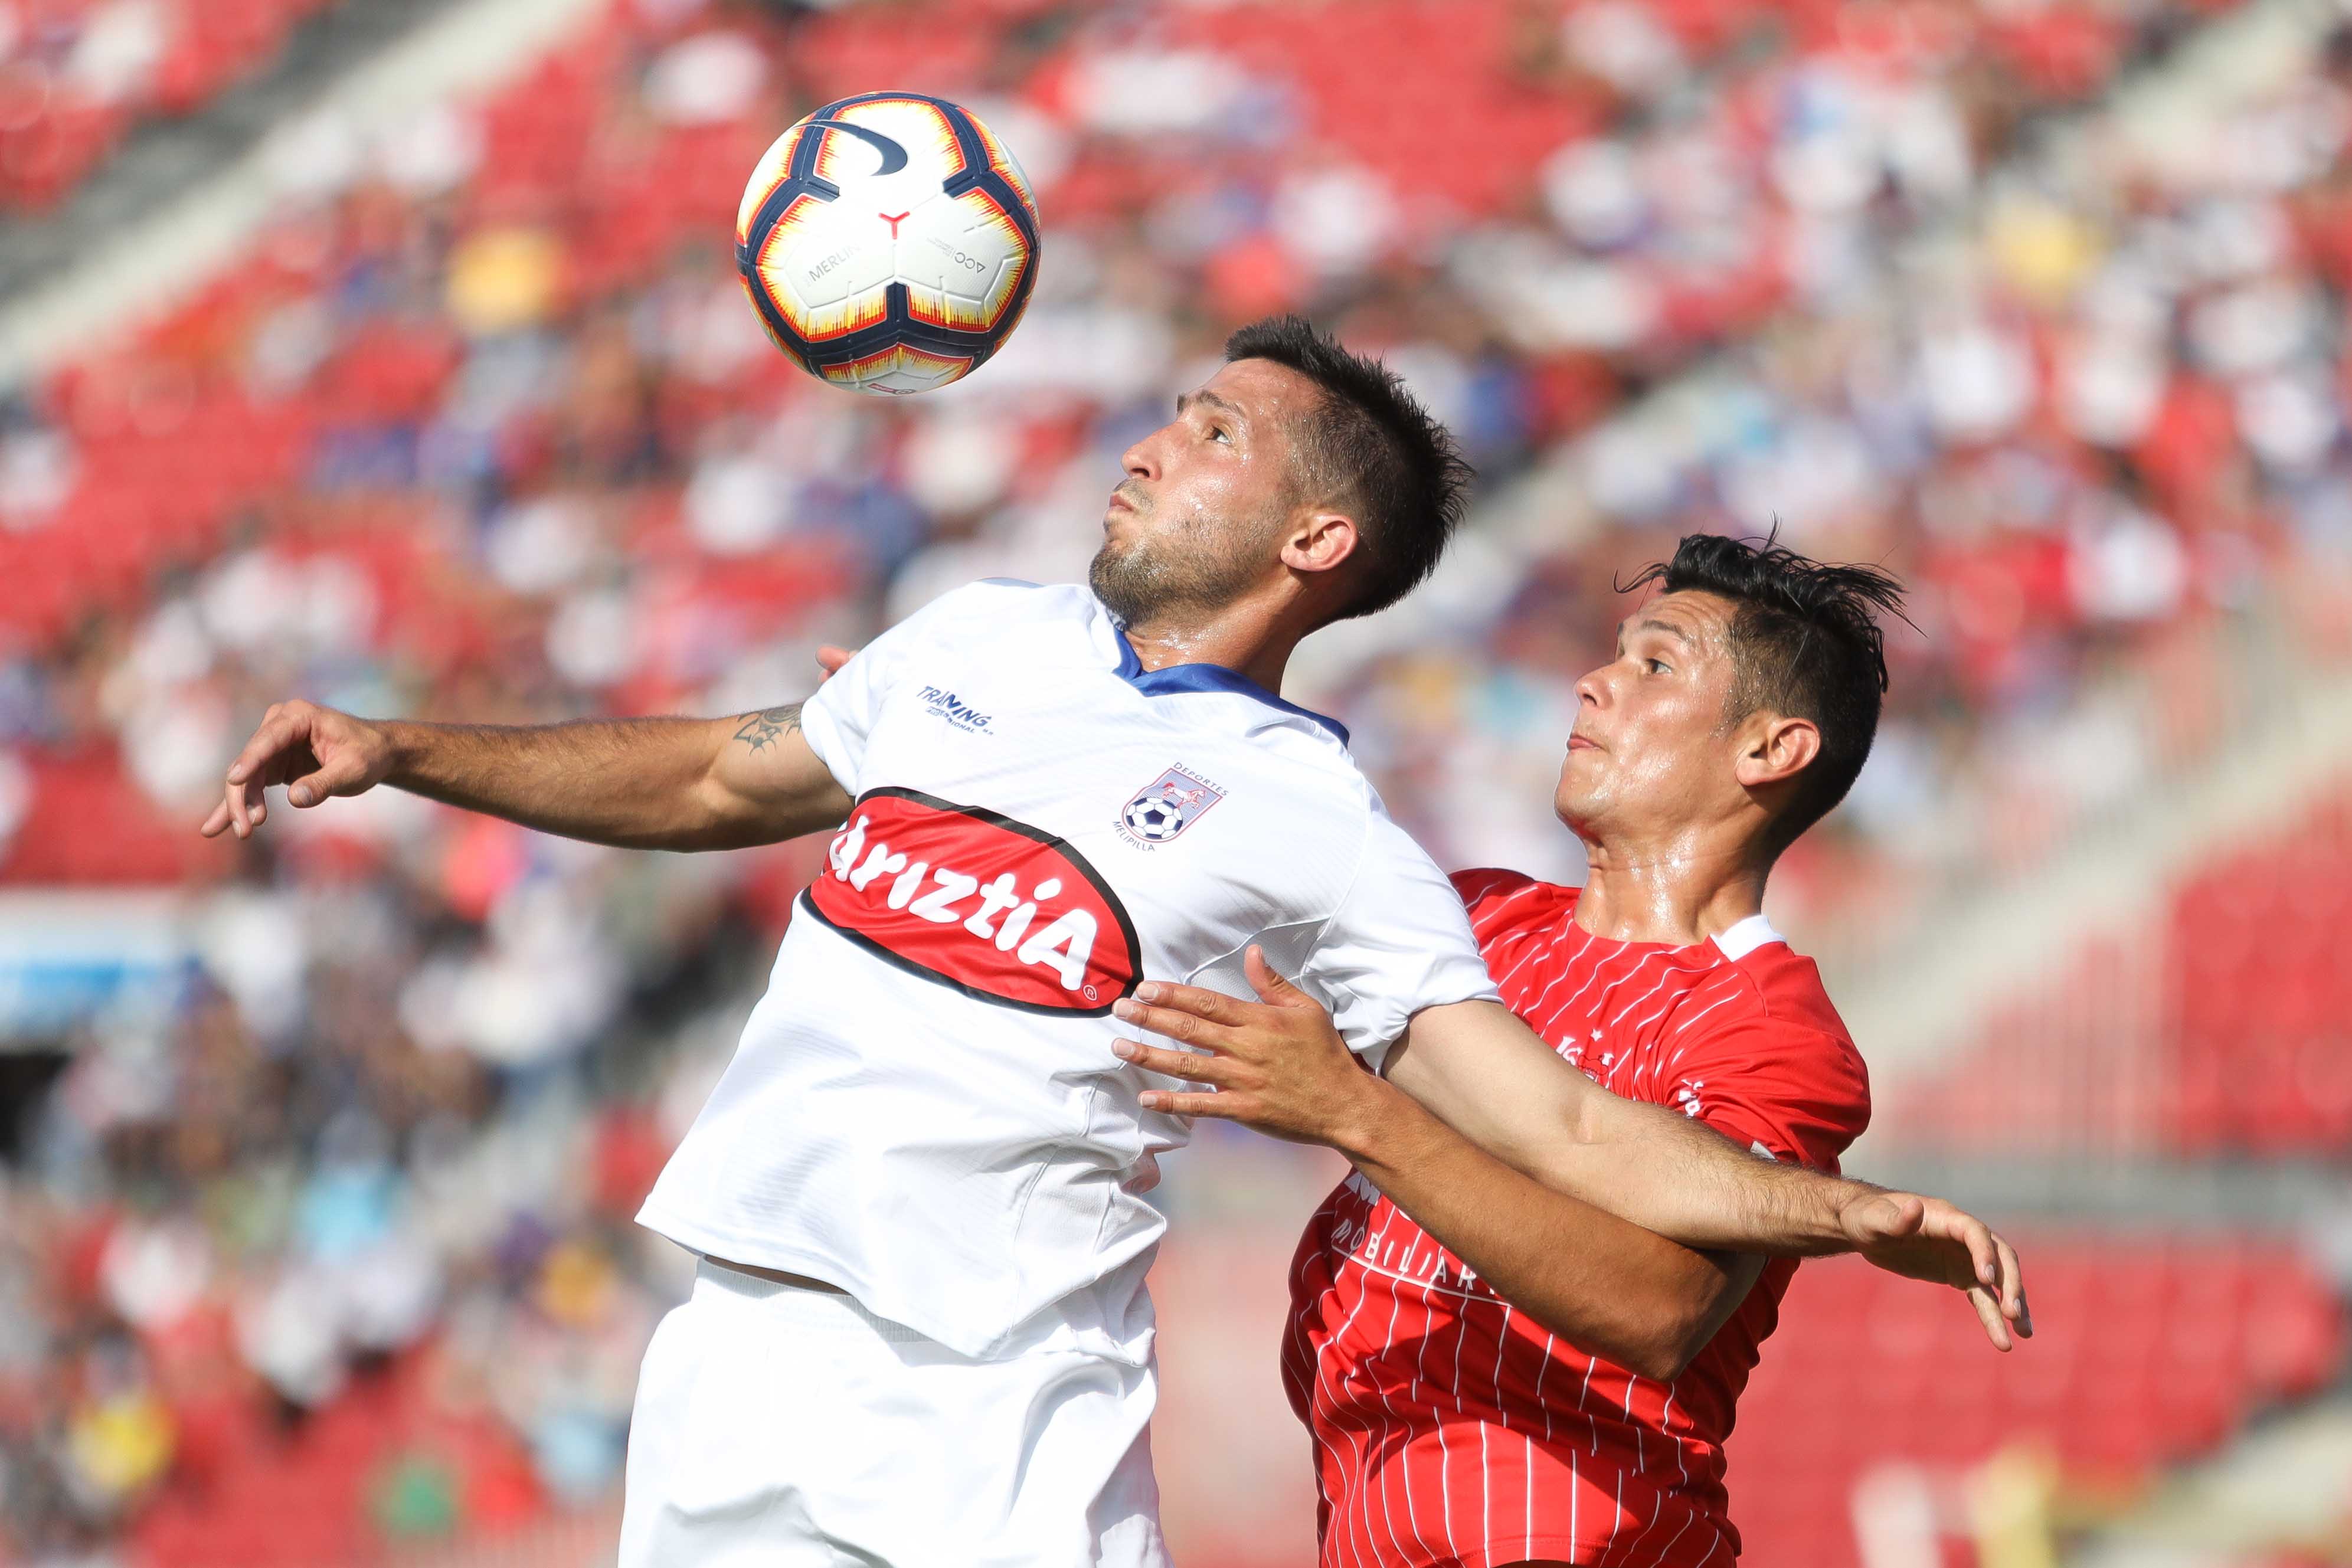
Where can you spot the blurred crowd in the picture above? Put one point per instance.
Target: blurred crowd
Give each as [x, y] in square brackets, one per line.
[78, 75]
[483, 430]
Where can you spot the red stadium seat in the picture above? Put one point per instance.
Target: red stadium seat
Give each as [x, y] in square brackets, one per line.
[2248, 1051]
[2146, 1353]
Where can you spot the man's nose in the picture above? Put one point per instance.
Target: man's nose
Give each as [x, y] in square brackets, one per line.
[1589, 690]
[1143, 459]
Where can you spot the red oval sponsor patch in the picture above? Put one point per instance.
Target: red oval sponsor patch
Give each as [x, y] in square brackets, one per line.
[970, 898]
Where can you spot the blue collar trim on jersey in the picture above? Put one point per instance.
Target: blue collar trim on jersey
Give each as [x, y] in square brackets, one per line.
[1208, 678]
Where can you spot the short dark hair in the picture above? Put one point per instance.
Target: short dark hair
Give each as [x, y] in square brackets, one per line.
[1805, 643]
[1371, 447]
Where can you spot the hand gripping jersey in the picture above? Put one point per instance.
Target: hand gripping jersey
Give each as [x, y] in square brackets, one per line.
[924, 1109]
[1451, 1429]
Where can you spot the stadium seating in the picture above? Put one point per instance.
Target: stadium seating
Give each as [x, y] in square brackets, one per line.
[2259, 1054]
[495, 438]
[2214, 1027]
[76, 75]
[2145, 1352]
[170, 446]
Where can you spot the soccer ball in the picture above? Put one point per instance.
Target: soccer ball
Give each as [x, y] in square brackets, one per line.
[1155, 818]
[888, 243]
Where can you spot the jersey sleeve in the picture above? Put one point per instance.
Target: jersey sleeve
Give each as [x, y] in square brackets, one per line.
[839, 716]
[1398, 942]
[1783, 1089]
[1486, 884]
[1491, 896]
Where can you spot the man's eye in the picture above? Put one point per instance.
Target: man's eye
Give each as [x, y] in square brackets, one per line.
[1657, 666]
[1218, 432]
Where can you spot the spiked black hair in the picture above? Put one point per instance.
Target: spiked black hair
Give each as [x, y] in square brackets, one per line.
[1374, 451]
[1805, 643]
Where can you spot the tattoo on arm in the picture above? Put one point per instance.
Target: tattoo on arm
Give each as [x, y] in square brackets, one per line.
[762, 729]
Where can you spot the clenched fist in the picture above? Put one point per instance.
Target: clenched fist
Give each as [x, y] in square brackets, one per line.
[314, 751]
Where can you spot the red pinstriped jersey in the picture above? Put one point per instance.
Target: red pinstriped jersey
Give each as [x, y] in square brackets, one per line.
[1449, 1427]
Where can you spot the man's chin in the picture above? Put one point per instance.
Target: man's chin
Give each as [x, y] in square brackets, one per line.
[1117, 586]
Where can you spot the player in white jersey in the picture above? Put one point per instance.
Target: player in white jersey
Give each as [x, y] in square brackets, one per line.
[918, 1335]
[1040, 823]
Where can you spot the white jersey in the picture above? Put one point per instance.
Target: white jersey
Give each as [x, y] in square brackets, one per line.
[924, 1109]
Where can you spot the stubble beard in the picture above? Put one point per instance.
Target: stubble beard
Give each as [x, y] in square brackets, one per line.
[1199, 568]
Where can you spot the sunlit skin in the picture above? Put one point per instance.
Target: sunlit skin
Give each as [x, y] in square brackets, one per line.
[1670, 801]
[1213, 503]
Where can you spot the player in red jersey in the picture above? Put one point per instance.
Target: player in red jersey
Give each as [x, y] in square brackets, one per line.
[1496, 1374]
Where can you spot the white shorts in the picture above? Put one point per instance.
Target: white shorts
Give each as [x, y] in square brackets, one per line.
[787, 1427]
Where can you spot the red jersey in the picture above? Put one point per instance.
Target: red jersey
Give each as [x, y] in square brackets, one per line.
[1451, 1429]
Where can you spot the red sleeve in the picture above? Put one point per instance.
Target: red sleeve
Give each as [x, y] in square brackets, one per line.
[1496, 900]
[1792, 1092]
[1485, 885]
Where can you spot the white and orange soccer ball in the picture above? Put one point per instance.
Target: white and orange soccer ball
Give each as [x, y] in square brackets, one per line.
[888, 241]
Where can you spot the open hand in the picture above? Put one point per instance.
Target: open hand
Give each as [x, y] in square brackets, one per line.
[1927, 1238]
[314, 751]
[1276, 1064]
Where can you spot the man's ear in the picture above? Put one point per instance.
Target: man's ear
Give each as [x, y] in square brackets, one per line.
[1319, 541]
[1774, 749]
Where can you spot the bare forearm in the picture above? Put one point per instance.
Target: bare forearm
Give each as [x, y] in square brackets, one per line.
[1667, 1173]
[1280, 1066]
[646, 783]
[630, 782]
[1610, 1289]
[1486, 1075]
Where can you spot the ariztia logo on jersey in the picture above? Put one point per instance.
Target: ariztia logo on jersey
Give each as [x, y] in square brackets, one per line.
[1168, 805]
[969, 898]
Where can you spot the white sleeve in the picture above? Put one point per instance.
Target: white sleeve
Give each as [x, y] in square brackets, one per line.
[1398, 942]
[842, 713]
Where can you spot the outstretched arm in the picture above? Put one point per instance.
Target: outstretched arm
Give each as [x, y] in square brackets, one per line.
[649, 783]
[1279, 1065]
[1610, 1289]
[1480, 1070]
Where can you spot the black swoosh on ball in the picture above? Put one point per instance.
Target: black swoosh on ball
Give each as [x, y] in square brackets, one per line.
[894, 156]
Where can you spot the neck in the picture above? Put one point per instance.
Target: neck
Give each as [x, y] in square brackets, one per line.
[1241, 643]
[1682, 892]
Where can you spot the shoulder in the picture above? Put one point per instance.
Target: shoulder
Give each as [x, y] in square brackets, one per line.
[996, 597]
[1004, 611]
[1390, 879]
[1789, 994]
[1775, 1019]
[1483, 883]
[1500, 900]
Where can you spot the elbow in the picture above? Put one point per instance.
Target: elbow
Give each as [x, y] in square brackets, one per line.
[1593, 1120]
[1662, 1358]
[1659, 1344]
[1665, 1341]
[1674, 1355]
